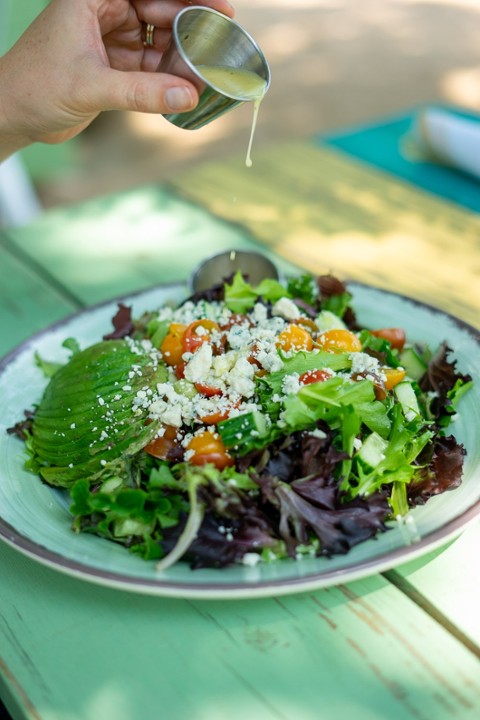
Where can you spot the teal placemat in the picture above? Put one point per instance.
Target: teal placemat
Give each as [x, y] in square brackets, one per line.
[380, 145]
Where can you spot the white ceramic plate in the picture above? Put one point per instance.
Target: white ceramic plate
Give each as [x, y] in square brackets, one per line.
[34, 518]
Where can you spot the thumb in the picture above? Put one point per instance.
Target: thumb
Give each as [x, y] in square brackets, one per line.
[146, 92]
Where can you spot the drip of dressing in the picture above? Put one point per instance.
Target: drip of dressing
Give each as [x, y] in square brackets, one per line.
[239, 83]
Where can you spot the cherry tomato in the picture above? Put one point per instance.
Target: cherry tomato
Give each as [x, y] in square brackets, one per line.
[393, 376]
[180, 370]
[339, 340]
[215, 417]
[307, 323]
[172, 345]
[208, 390]
[159, 447]
[252, 358]
[395, 336]
[294, 337]
[197, 333]
[313, 376]
[236, 319]
[207, 448]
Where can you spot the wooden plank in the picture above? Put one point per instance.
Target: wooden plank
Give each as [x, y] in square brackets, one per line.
[447, 584]
[28, 302]
[127, 242]
[326, 212]
[364, 650]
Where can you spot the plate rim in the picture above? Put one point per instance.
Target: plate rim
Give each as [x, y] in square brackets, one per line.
[235, 590]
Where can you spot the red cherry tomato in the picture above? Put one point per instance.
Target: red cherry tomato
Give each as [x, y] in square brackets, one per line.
[197, 333]
[159, 447]
[208, 390]
[313, 376]
[395, 336]
[236, 319]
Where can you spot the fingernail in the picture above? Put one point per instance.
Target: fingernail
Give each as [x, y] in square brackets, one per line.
[179, 99]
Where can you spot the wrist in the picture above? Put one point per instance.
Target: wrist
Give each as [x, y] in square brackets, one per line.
[11, 137]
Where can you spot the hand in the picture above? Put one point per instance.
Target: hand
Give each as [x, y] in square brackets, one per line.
[80, 58]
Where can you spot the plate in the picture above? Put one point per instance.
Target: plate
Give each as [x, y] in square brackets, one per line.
[34, 518]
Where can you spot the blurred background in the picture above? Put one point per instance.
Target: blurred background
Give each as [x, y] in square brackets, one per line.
[335, 63]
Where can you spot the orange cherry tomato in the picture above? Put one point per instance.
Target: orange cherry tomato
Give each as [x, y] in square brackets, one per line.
[295, 337]
[216, 417]
[339, 340]
[197, 333]
[393, 376]
[307, 323]
[313, 376]
[207, 448]
[159, 447]
[395, 336]
[172, 344]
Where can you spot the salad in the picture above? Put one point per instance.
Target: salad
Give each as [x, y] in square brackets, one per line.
[248, 424]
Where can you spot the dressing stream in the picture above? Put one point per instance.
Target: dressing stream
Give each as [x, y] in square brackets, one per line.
[240, 83]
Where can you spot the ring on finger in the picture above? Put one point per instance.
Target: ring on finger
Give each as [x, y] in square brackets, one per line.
[148, 35]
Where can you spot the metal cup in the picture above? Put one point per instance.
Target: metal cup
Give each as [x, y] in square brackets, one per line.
[202, 36]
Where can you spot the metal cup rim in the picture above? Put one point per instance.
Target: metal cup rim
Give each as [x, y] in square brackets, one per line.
[195, 69]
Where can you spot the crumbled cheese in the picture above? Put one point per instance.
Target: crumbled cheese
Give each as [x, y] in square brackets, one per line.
[198, 368]
[240, 378]
[364, 363]
[291, 384]
[320, 434]
[286, 308]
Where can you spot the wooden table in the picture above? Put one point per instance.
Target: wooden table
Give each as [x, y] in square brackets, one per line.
[402, 644]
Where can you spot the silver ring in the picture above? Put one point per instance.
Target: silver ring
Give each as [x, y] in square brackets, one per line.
[149, 31]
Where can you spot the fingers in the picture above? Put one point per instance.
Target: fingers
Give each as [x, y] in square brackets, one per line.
[222, 6]
[161, 14]
[145, 92]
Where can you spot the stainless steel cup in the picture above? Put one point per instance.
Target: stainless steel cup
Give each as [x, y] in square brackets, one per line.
[202, 36]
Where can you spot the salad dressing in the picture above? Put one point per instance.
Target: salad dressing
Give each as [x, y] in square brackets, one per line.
[240, 83]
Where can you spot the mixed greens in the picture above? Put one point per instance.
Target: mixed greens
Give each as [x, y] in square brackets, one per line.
[248, 424]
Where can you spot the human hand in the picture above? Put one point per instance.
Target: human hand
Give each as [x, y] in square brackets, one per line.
[80, 58]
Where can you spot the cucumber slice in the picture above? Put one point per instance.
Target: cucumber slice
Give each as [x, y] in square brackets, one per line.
[372, 451]
[407, 399]
[413, 364]
[235, 431]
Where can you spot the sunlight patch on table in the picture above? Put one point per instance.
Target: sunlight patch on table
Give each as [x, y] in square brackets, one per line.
[254, 708]
[151, 126]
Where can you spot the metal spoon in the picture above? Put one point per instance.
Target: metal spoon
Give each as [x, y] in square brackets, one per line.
[215, 269]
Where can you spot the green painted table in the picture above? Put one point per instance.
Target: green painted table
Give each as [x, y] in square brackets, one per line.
[403, 644]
